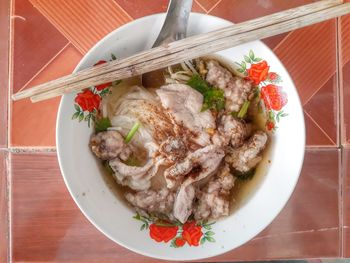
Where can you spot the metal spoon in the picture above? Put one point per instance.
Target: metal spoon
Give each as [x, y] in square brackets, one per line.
[174, 28]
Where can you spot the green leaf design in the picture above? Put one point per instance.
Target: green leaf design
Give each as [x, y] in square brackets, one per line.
[104, 92]
[257, 59]
[284, 114]
[137, 216]
[244, 65]
[209, 233]
[81, 116]
[143, 227]
[240, 70]
[207, 227]
[210, 239]
[203, 240]
[173, 244]
[251, 55]
[247, 59]
[75, 115]
[113, 56]
[87, 117]
[77, 107]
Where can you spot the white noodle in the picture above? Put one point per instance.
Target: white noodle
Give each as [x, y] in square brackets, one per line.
[189, 64]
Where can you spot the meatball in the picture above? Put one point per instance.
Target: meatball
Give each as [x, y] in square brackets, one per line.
[108, 145]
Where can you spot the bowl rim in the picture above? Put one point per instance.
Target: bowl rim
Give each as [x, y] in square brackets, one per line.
[120, 242]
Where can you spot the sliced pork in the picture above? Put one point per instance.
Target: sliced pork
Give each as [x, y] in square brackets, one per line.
[231, 131]
[204, 165]
[173, 149]
[185, 104]
[154, 202]
[109, 145]
[249, 155]
[137, 178]
[214, 199]
[176, 173]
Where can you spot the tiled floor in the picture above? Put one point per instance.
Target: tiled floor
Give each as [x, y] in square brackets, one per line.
[69, 236]
[47, 40]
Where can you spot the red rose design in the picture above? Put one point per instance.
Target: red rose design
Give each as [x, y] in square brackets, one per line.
[258, 72]
[87, 100]
[270, 125]
[162, 233]
[273, 96]
[272, 76]
[179, 242]
[105, 85]
[192, 233]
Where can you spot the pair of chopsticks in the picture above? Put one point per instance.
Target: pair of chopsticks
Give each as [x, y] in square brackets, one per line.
[189, 48]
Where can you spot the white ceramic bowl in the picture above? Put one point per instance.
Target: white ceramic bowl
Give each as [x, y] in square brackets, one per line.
[112, 217]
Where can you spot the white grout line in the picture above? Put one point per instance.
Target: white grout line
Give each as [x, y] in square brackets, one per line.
[310, 231]
[212, 8]
[313, 120]
[201, 6]
[340, 136]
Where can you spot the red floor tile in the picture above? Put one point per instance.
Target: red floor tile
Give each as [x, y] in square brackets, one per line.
[67, 235]
[4, 237]
[346, 103]
[82, 22]
[35, 124]
[4, 68]
[345, 39]
[139, 8]
[207, 4]
[309, 54]
[346, 202]
[315, 136]
[238, 11]
[322, 108]
[35, 42]
[345, 62]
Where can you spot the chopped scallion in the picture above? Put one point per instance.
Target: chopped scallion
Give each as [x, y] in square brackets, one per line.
[244, 109]
[132, 132]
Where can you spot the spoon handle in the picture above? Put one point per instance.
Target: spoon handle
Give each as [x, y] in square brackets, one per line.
[175, 24]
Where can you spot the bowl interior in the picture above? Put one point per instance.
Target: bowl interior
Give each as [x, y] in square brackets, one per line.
[82, 175]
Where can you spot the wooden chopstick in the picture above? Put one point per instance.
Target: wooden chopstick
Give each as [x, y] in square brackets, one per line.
[176, 46]
[190, 48]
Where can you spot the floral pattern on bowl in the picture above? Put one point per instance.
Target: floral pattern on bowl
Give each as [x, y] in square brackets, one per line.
[272, 97]
[191, 233]
[87, 102]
